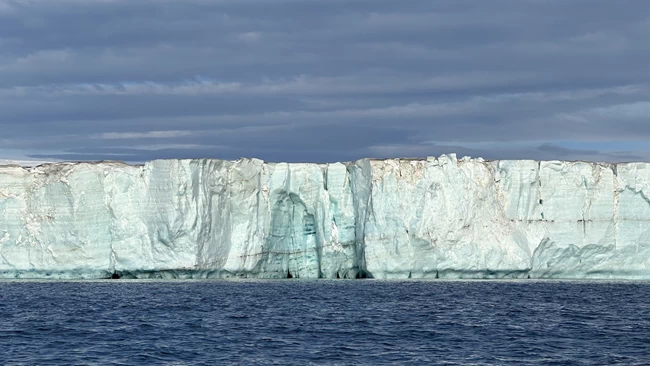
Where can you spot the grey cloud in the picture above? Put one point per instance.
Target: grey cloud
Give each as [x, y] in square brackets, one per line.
[301, 80]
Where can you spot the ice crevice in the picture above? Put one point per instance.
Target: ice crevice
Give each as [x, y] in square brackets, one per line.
[395, 218]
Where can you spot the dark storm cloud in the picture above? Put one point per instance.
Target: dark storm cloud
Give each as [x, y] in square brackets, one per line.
[299, 80]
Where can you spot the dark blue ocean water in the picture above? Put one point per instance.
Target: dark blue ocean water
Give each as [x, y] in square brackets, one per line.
[297, 322]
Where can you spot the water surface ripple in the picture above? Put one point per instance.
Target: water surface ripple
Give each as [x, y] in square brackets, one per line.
[297, 322]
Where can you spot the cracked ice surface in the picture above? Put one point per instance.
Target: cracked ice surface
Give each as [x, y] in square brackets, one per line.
[395, 218]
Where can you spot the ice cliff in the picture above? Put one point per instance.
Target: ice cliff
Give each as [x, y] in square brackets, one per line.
[396, 218]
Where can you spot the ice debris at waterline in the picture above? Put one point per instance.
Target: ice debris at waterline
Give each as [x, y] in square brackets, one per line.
[395, 218]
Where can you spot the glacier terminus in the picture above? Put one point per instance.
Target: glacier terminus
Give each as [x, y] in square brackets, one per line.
[395, 218]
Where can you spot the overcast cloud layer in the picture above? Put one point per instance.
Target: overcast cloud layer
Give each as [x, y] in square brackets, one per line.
[308, 80]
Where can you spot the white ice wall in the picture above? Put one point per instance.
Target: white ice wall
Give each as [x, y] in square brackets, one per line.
[396, 218]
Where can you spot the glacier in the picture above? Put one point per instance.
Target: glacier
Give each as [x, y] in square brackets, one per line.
[391, 219]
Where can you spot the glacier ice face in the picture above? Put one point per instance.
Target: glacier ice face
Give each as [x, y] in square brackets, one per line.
[395, 218]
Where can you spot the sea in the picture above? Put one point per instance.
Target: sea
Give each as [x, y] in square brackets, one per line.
[324, 322]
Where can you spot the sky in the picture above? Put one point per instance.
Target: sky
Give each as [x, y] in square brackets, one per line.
[324, 80]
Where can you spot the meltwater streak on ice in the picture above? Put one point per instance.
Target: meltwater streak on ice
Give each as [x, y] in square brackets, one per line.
[396, 218]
